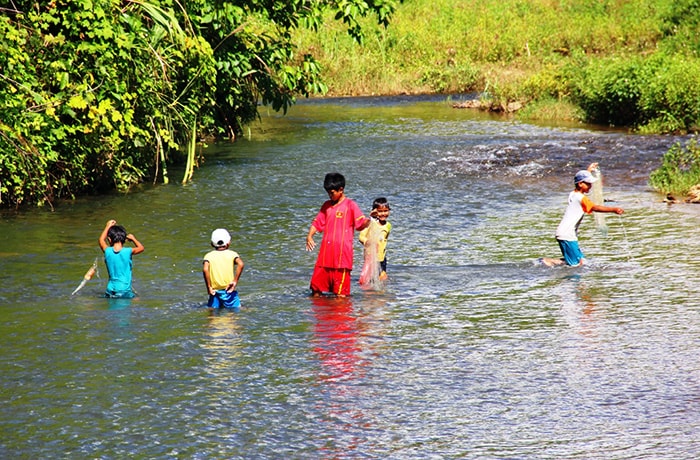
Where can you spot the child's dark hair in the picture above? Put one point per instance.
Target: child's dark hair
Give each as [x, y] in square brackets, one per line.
[334, 181]
[381, 201]
[116, 234]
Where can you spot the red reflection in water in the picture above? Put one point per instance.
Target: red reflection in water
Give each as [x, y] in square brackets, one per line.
[336, 333]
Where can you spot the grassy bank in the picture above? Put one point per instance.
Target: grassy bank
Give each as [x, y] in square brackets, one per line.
[627, 63]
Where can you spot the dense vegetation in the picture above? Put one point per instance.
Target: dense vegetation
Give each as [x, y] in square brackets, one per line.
[626, 63]
[679, 173]
[104, 94]
[101, 94]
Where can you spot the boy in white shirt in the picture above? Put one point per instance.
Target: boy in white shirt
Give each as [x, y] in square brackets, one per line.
[579, 205]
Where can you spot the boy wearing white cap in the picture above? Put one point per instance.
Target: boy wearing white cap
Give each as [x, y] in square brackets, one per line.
[222, 268]
[579, 205]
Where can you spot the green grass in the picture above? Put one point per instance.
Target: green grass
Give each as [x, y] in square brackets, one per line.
[569, 58]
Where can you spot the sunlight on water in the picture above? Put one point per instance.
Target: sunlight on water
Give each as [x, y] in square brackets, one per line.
[472, 350]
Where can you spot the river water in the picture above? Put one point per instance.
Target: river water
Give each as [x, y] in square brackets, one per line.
[472, 350]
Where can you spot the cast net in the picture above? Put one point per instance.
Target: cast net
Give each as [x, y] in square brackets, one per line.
[597, 198]
[369, 277]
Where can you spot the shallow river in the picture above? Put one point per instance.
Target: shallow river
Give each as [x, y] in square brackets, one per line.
[472, 350]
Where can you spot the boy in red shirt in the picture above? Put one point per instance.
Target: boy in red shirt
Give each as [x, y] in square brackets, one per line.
[338, 219]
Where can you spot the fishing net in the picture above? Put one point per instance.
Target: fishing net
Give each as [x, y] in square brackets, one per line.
[92, 271]
[597, 198]
[369, 277]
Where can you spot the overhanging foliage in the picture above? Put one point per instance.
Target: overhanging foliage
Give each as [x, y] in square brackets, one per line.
[98, 94]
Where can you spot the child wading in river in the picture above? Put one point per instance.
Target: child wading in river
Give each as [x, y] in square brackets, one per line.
[118, 259]
[222, 269]
[579, 205]
[338, 219]
[378, 236]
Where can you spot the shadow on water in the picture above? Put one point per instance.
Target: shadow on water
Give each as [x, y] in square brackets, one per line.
[471, 350]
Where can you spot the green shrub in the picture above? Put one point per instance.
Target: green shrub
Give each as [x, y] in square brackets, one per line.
[679, 171]
[670, 94]
[608, 91]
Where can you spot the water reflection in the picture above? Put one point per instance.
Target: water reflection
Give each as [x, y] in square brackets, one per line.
[338, 333]
[222, 342]
[336, 338]
[120, 310]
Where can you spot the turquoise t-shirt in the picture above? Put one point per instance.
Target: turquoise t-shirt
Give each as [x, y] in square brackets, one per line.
[119, 268]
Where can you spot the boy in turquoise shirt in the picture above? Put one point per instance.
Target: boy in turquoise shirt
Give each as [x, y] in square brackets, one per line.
[118, 259]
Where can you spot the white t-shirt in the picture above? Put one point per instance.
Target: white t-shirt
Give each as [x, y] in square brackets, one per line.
[579, 204]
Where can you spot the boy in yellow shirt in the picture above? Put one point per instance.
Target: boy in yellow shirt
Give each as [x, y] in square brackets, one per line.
[380, 211]
[222, 269]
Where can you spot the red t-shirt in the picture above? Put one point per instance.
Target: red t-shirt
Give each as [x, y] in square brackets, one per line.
[338, 223]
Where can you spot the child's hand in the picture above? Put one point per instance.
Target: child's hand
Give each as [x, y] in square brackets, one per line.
[310, 244]
[592, 167]
[111, 223]
[231, 287]
[130, 237]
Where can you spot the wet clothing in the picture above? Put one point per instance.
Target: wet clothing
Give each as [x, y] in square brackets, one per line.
[221, 274]
[338, 223]
[223, 299]
[334, 280]
[567, 231]
[571, 252]
[119, 267]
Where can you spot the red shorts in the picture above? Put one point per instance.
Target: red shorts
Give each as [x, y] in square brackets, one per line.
[335, 280]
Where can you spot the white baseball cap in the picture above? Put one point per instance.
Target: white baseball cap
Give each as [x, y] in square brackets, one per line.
[220, 237]
[584, 176]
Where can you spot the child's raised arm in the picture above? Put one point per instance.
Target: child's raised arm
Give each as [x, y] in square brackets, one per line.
[103, 236]
[138, 247]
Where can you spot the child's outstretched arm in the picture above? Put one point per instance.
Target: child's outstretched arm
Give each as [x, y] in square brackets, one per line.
[138, 247]
[601, 208]
[103, 236]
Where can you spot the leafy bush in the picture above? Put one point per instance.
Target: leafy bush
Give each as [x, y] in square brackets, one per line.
[670, 94]
[98, 95]
[680, 169]
[608, 91]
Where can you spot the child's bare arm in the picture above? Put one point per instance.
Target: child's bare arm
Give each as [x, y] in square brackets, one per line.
[138, 247]
[236, 275]
[310, 243]
[103, 236]
[207, 279]
[601, 208]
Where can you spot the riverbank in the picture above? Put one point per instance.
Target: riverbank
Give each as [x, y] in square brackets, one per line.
[625, 63]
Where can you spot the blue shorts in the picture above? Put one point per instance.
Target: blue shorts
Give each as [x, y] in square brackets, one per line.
[120, 294]
[223, 299]
[571, 252]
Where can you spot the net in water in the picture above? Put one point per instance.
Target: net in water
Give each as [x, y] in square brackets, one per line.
[597, 198]
[369, 277]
